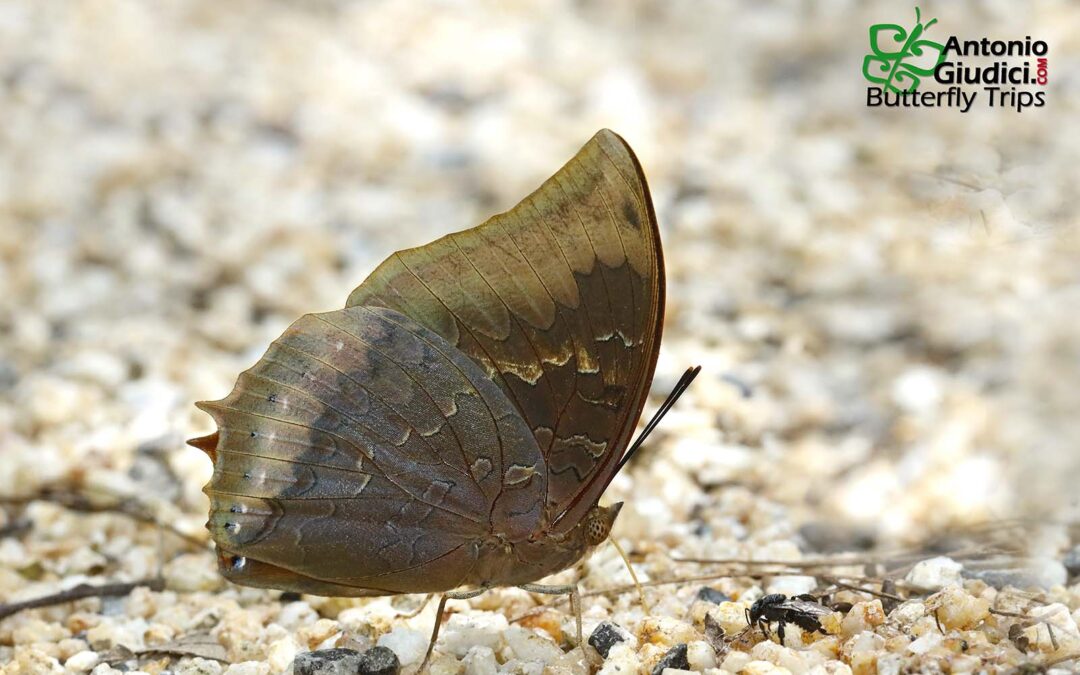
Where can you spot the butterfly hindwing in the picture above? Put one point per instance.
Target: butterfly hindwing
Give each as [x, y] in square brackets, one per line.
[365, 451]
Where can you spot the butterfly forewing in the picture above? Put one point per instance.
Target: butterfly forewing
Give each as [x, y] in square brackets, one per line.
[560, 302]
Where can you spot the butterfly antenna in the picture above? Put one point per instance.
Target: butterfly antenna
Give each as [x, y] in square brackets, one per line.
[681, 386]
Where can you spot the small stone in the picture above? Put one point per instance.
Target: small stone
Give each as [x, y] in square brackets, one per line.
[829, 537]
[464, 632]
[190, 573]
[409, 645]
[791, 585]
[315, 634]
[1041, 573]
[622, 659]
[711, 595]
[735, 661]
[908, 613]
[281, 653]
[69, 647]
[889, 664]
[863, 616]
[1072, 562]
[84, 660]
[666, 631]
[480, 660]
[36, 630]
[296, 614]
[379, 661]
[935, 573]
[731, 616]
[327, 662]
[796, 661]
[925, 643]
[200, 666]
[953, 607]
[248, 668]
[763, 668]
[530, 646]
[675, 658]
[864, 643]
[1066, 634]
[700, 655]
[607, 635]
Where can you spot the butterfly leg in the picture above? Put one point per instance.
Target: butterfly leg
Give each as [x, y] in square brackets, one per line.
[449, 595]
[566, 589]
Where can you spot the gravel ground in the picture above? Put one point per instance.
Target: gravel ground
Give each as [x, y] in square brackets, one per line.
[883, 301]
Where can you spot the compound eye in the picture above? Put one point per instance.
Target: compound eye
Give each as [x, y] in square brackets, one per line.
[596, 532]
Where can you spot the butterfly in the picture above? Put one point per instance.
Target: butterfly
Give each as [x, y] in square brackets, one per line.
[455, 425]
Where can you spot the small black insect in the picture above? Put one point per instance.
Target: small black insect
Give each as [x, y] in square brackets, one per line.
[802, 610]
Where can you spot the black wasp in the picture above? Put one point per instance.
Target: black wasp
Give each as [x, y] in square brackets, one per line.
[802, 610]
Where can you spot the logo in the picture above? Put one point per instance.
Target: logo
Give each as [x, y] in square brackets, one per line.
[901, 60]
[898, 71]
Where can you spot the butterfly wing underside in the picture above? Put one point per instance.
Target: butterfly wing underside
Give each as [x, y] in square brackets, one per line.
[363, 454]
[560, 301]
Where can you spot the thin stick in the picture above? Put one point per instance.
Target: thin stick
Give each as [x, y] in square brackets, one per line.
[852, 587]
[81, 592]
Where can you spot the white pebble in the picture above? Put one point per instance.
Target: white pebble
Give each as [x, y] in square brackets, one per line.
[830, 668]
[735, 661]
[782, 657]
[925, 643]
[530, 646]
[84, 660]
[463, 632]
[908, 613]
[889, 664]
[248, 668]
[480, 661]
[864, 642]
[763, 668]
[731, 616]
[935, 573]
[296, 614]
[621, 660]
[918, 390]
[791, 585]
[199, 666]
[409, 645]
[281, 653]
[700, 655]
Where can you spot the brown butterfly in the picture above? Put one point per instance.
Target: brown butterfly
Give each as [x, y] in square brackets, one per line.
[455, 425]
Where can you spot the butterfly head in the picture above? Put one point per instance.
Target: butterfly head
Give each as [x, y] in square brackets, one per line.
[599, 522]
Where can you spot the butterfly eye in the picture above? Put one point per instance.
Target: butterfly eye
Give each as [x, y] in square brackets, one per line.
[596, 529]
[597, 533]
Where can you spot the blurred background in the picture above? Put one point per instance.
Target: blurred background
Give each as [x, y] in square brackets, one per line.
[884, 300]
